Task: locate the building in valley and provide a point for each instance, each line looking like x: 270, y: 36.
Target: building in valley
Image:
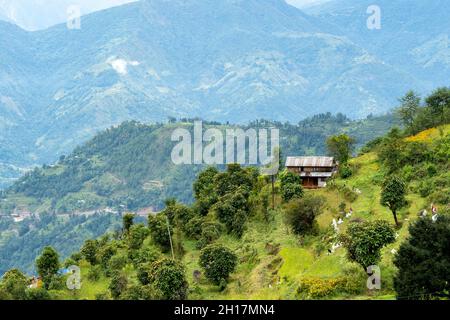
x: 314, y: 171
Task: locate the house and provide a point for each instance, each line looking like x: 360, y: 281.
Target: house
x: 314, y: 171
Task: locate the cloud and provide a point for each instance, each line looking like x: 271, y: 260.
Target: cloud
x: 121, y: 65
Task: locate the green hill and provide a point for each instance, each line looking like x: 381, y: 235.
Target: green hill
x: 273, y: 262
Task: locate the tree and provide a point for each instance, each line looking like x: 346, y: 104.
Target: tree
x: 364, y: 241
x: 169, y: 279
x: 300, y: 214
x: 118, y: 284
x: 232, y: 210
x: 47, y: 265
x: 439, y: 104
x: 218, y: 262
x: 89, y: 251
x: 393, y: 195
x: 341, y: 147
x: 14, y: 283
x: 291, y: 185
x: 127, y: 220
x: 410, y: 106
x: 204, y: 190
x: 158, y: 230
x: 423, y: 261
x: 136, y: 236
x: 390, y: 151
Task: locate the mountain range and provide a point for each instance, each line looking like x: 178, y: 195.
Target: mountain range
x: 232, y: 60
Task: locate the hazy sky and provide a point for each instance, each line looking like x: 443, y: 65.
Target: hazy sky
x: 41, y: 14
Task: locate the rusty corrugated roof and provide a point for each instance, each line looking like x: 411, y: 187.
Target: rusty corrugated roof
x: 310, y: 162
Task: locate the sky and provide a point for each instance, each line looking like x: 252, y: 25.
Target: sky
x: 40, y: 14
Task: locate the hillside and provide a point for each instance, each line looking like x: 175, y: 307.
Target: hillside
x: 273, y: 262
x: 234, y: 61
x: 129, y: 166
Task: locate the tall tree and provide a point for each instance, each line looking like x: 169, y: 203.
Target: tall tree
x: 341, y: 147
x: 127, y: 221
x: 47, y: 265
x: 393, y: 195
x: 423, y: 261
x: 439, y: 104
x: 364, y: 241
x: 408, y: 110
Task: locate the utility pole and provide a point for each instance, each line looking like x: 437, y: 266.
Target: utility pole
x: 273, y: 192
x: 170, y: 237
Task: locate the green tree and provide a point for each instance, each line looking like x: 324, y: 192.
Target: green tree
x: 159, y: 232
x: 169, y: 279
x: 341, y: 147
x: 118, y: 284
x: 423, y: 261
x: 136, y: 236
x: 439, y: 104
x: 364, y: 241
x: 204, y: 190
x: 390, y: 153
x: 14, y: 282
x: 300, y: 214
x: 232, y: 210
x: 127, y: 221
x: 291, y: 185
x: 47, y: 265
x: 393, y: 195
x: 408, y: 110
x: 89, y: 251
x: 218, y: 262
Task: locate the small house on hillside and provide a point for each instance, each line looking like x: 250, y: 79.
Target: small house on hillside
x: 314, y: 171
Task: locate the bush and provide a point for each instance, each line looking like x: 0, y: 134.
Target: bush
x: 118, y: 284
x: 291, y: 185
x: 168, y: 279
x: 345, y: 171
x: 158, y: 231
x: 317, y: 288
x: 217, y: 262
x: 94, y: 273
x: 300, y: 214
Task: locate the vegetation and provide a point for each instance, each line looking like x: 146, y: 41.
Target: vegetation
x: 218, y: 262
x: 423, y: 261
x: 364, y: 241
x: 247, y: 250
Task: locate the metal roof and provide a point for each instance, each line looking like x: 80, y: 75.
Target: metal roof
x: 316, y: 174
x: 310, y: 162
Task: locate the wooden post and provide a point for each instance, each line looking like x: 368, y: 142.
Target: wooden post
x: 170, y: 237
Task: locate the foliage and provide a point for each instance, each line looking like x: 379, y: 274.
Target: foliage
x: 218, y: 262
x: 14, y: 284
x: 393, y: 195
x: 423, y: 261
x: 300, y: 214
x: 168, y: 278
x: 118, y: 284
x: 159, y: 230
x: 341, y: 147
x: 364, y: 241
x: 127, y: 222
x: 89, y: 251
x: 291, y: 185
x: 47, y: 265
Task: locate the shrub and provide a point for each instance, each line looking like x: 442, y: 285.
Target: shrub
x: 291, y: 185
x: 300, y: 214
x: 218, y: 262
x: 345, y: 171
x: 94, y: 273
x: 317, y: 288
x: 168, y: 279
x: 118, y: 284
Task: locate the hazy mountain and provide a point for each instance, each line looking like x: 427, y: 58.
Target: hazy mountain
x: 232, y: 60
x: 414, y: 35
